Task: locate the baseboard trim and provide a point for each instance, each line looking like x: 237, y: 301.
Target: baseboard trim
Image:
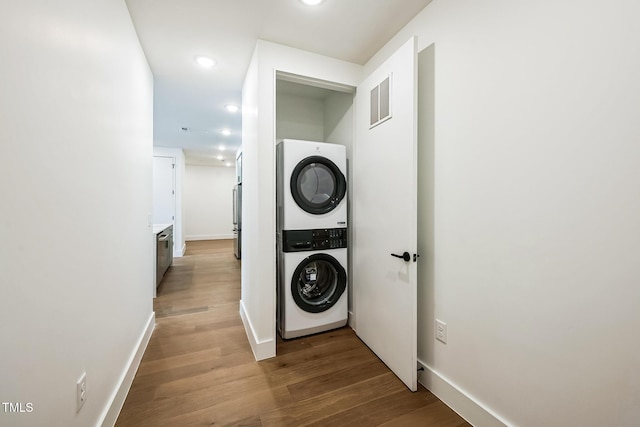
x: 180, y: 252
x: 209, y: 237
x: 352, y: 320
x: 261, y: 349
x: 467, y: 406
x: 111, y: 412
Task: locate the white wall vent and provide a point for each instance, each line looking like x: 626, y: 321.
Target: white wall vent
x: 380, y: 103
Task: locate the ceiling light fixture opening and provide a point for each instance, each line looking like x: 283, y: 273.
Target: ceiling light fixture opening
x: 312, y: 2
x: 228, y: 164
x: 225, y: 132
x: 232, y: 108
x: 221, y: 147
x: 205, y: 61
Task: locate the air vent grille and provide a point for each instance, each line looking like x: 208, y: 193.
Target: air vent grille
x: 380, y: 102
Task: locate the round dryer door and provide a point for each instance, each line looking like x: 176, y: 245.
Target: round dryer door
x: 317, y: 185
x: 318, y: 283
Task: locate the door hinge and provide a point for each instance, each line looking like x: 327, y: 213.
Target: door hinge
x: 173, y: 165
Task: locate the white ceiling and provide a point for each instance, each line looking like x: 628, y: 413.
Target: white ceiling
x: 174, y: 32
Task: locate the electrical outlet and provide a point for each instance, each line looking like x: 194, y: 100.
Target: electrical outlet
x: 81, y: 391
x: 441, y: 331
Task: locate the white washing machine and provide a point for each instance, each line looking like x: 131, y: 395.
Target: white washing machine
x: 311, y: 187
x: 312, y: 281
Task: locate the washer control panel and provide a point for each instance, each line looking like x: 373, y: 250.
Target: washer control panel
x: 314, y: 240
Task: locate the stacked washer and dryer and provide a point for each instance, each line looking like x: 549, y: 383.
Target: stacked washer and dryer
x: 311, y: 237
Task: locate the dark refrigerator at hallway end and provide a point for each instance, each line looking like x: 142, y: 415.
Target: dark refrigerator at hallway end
x: 237, y: 220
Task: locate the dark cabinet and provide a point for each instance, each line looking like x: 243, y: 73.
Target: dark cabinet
x: 164, y: 252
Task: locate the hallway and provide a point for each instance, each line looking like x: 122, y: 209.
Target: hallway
x: 199, y: 369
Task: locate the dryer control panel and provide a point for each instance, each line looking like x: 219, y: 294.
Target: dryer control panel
x: 314, y: 240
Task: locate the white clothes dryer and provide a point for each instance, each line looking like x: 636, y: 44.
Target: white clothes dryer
x: 311, y: 185
x: 312, y: 281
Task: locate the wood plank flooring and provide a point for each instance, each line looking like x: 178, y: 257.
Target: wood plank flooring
x: 199, y: 370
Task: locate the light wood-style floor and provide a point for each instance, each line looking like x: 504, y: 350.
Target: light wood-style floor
x: 199, y: 370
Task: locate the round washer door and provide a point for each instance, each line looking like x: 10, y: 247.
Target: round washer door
x: 317, y: 185
x: 318, y: 283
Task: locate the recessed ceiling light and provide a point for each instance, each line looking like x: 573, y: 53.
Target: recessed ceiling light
x: 220, y: 158
x: 228, y: 164
x: 312, y: 2
x: 232, y: 108
x: 225, y: 132
x: 205, y: 61
x: 221, y: 147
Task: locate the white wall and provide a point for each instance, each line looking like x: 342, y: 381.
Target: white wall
x: 251, y: 311
x: 257, y: 306
x: 299, y: 117
x: 177, y: 154
x: 208, y: 202
x: 76, y: 257
x: 338, y: 119
x: 536, y: 207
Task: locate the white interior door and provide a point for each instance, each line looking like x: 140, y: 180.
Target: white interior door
x: 385, y: 213
x: 163, y: 190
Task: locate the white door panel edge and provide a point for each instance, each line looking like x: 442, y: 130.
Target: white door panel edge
x: 385, y: 218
